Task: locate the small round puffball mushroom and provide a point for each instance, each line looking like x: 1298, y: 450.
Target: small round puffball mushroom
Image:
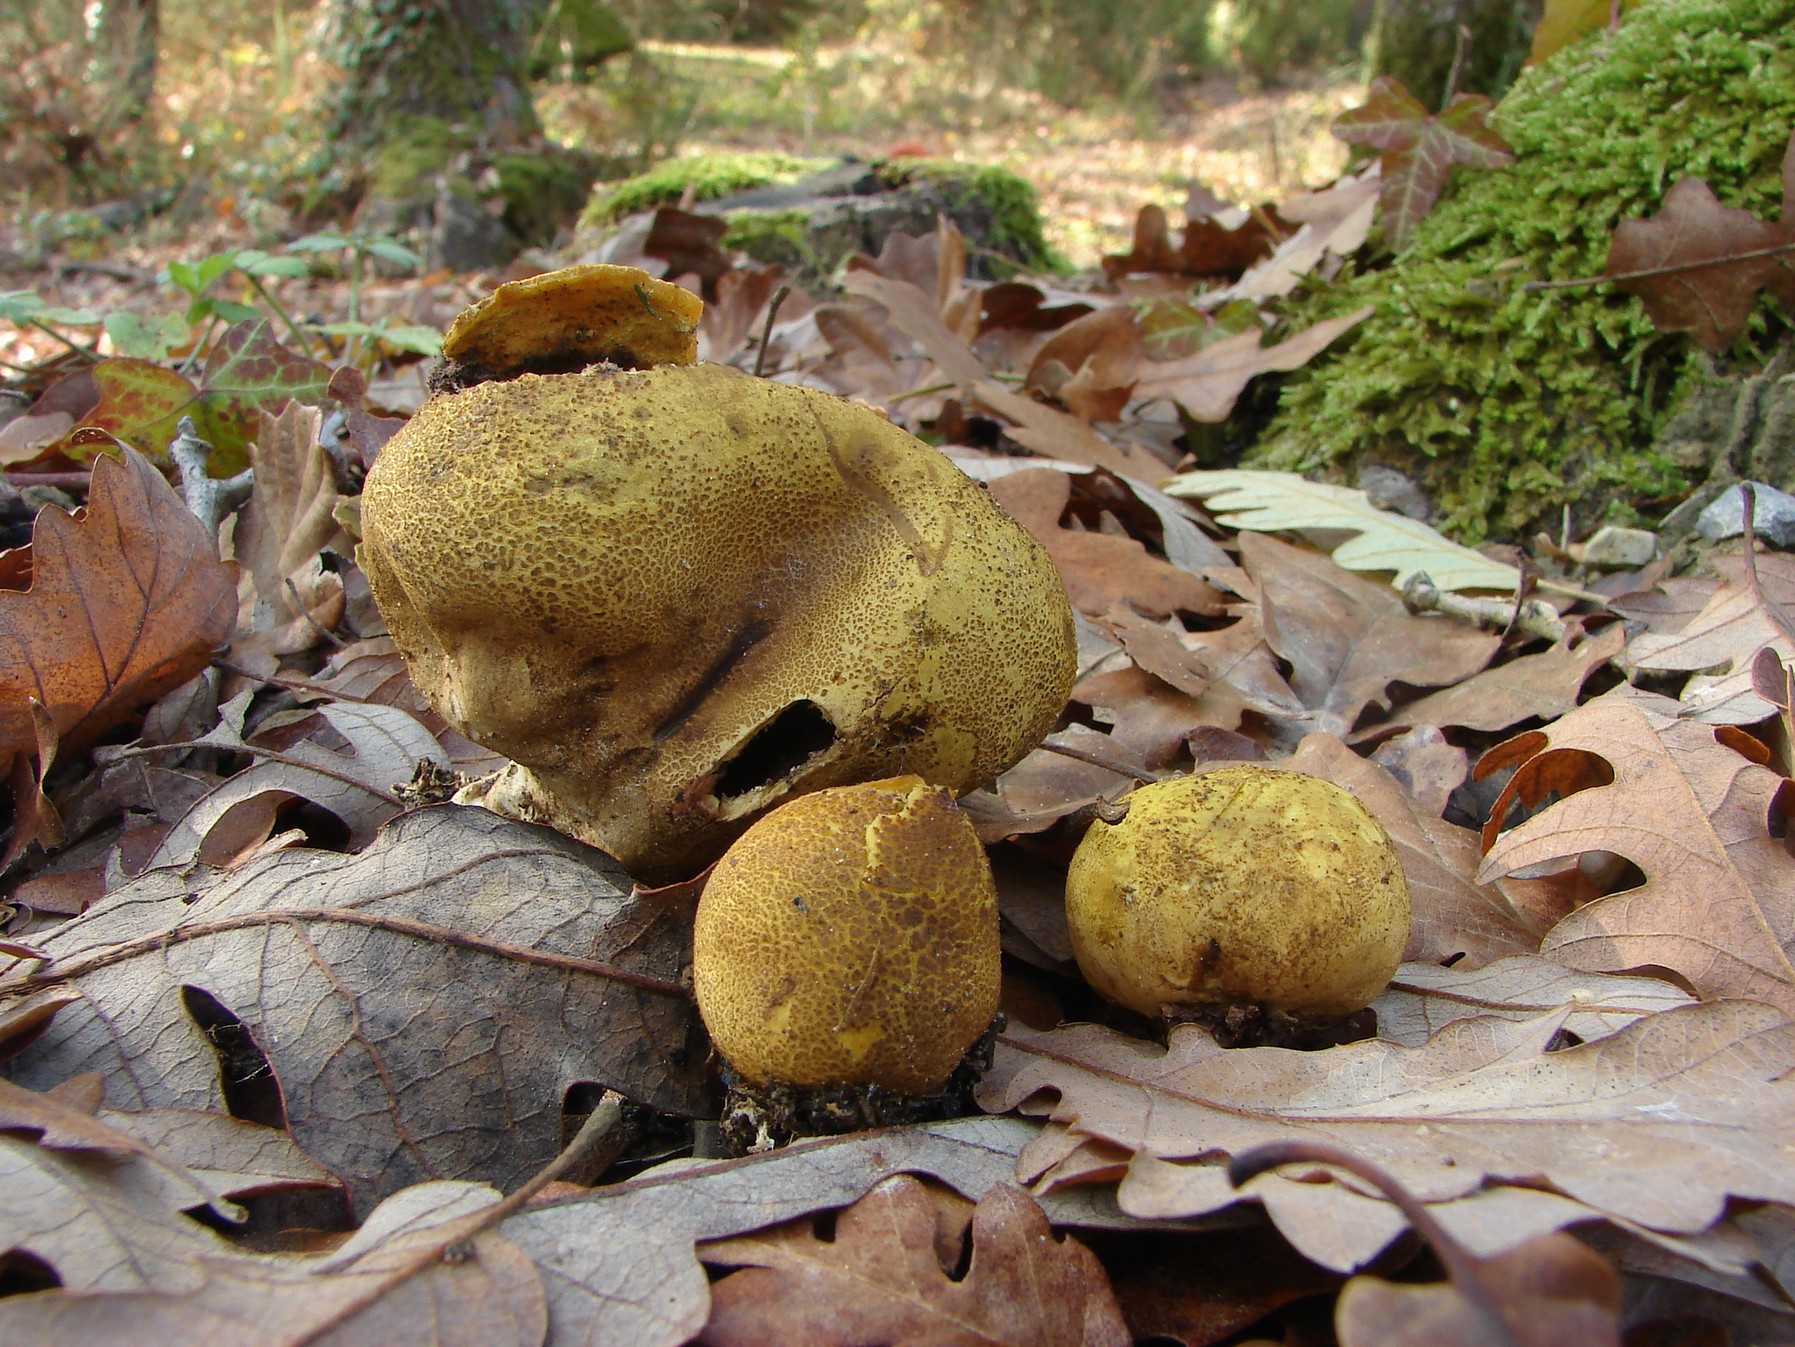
x: 1242, y: 886
x: 850, y: 937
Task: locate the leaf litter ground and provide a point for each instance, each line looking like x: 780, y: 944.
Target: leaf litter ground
x: 309, y: 999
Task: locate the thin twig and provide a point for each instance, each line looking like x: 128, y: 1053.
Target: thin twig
x: 1103, y: 760
x: 1668, y: 269
x: 1461, y: 47
x: 1464, y: 1270
x: 766, y: 332
x: 21, y: 480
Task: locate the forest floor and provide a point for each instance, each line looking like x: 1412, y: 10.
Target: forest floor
x: 1093, y: 169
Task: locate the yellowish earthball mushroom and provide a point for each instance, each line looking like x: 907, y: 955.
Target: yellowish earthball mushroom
x: 1241, y: 886
x: 850, y: 937
x: 675, y: 595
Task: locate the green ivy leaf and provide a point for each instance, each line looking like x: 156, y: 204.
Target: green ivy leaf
x: 142, y: 338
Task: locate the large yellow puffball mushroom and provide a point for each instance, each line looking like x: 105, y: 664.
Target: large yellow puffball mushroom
x: 850, y: 937
x: 1241, y: 886
x: 676, y: 595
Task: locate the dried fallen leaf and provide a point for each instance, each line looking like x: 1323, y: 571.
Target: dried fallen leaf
x: 1698, y: 265
x: 1275, y: 502
x: 97, y: 1205
x: 1100, y: 570
x: 1333, y: 224
x: 1347, y: 638
x: 1680, y: 801
x: 360, y: 786
x: 1543, y: 686
x: 423, y: 1007
x: 390, y: 1283
x: 1549, y: 1291
x: 1657, y: 1124
x: 1418, y: 149
x: 1424, y: 998
x: 880, y: 1279
x: 1208, y: 383
x: 619, y: 1263
x: 127, y: 602
x: 1719, y: 643
x: 289, y: 517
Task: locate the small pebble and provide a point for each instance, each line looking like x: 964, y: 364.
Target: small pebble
x: 1614, y: 548
x: 1772, y: 517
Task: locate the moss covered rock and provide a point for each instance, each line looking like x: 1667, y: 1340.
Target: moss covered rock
x: 808, y: 215
x: 1509, y: 403
x: 708, y: 176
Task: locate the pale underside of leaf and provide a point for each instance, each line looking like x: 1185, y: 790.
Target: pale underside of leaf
x: 1270, y: 502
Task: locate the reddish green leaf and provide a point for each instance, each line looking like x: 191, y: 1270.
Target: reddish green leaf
x: 1418, y: 149
x: 140, y: 401
x: 246, y: 371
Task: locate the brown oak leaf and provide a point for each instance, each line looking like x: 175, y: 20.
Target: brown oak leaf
x: 881, y: 1279
x: 127, y: 602
x: 1698, y: 265
x: 1685, y: 803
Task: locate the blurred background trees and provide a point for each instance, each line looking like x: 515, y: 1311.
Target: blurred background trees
x: 283, y: 107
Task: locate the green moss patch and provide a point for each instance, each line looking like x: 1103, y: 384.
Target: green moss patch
x: 1510, y: 403
x: 709, y: 176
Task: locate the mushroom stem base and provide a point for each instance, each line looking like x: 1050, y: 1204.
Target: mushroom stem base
x: 760, y: 1118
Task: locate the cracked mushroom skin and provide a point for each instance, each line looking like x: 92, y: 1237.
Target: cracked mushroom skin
x: 674, y: 596
x: 850, y: 937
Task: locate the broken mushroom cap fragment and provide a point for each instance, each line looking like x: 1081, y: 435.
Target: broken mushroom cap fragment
x: 850, y: 937
x: 1243, y: 886
x: 674, y: 596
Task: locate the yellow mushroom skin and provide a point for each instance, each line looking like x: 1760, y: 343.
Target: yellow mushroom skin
x: 850, y: 937
x: 1244, y: 885
x: 674, y: 596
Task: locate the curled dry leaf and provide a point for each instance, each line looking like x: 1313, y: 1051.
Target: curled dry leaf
x: 127, y: 602
x: 1424, y: 998
x: 393, y: 1281
x: 1658, y: 1124
x: 880, y: 1279
x: 1719, y: 643
x: 1682, y: 801
x: 422, y: 1008
x: 360, y: 786
x: 289, y: 519
x: 619, y: 1263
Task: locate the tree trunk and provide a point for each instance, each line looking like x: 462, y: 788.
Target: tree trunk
x: 457, y: 63
x: 129, y: 31
x: 1417, y: 41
